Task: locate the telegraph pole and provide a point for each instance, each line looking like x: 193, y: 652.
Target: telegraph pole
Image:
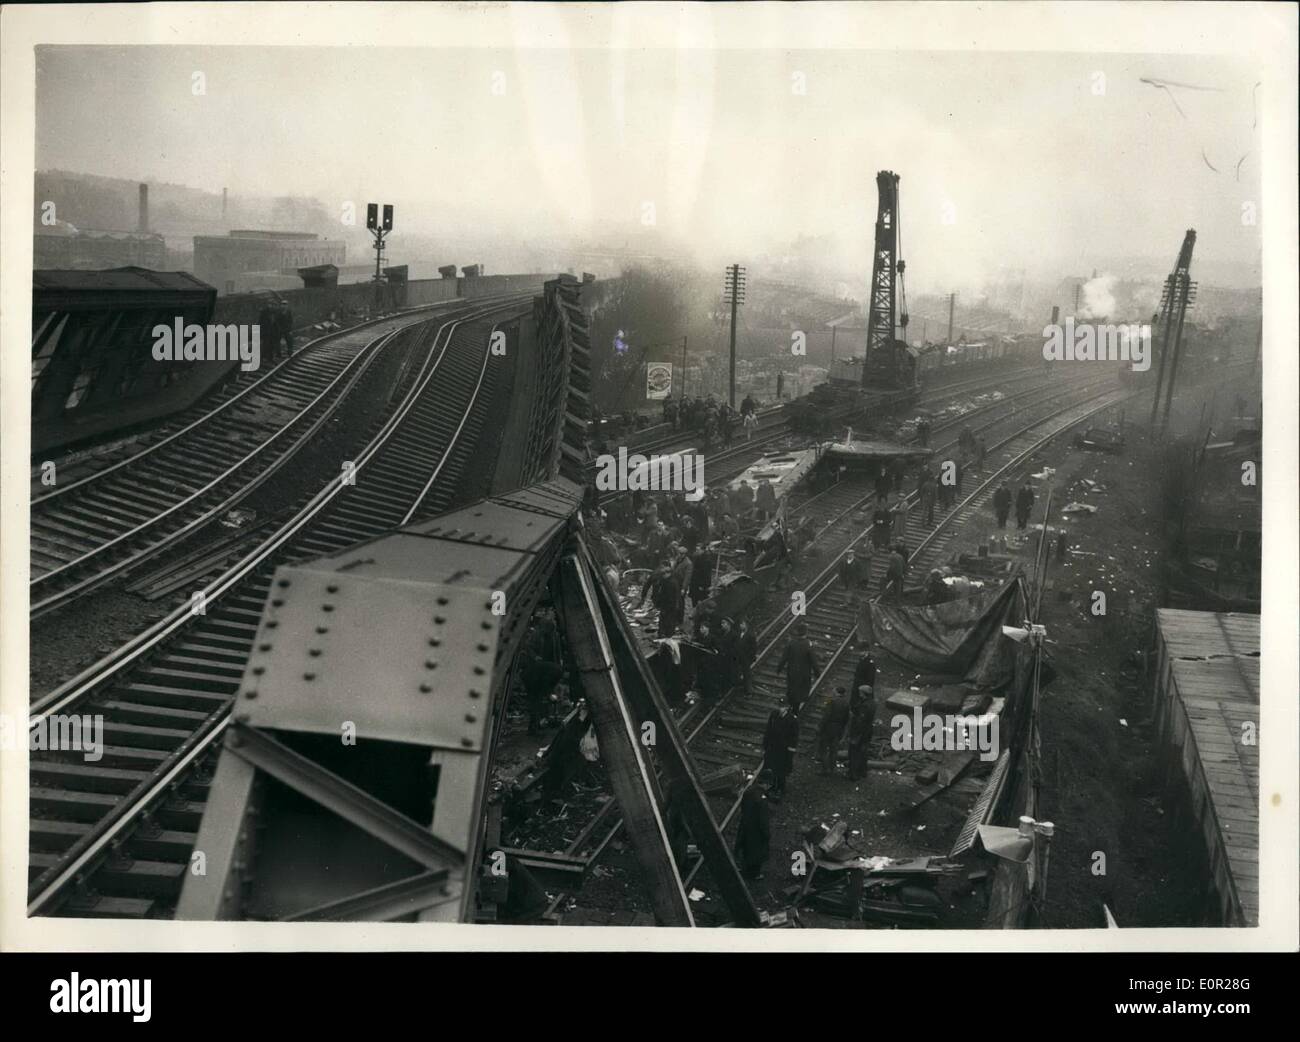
x: 683, y: 390
x: 735, y: 295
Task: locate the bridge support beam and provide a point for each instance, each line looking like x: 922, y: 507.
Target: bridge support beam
x: 624, y: 694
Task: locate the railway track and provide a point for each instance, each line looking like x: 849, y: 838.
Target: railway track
x: 110, y: 522
x: 115, y: 838
x: 730, y: 731
x: 725, y: 464
x: 661, y: 437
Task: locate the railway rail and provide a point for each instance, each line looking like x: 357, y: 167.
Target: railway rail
x: 108, y: 523
x: 114, y: 838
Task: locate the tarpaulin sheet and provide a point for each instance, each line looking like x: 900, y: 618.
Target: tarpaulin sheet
x: 960, y: 638
x: 874, y: 450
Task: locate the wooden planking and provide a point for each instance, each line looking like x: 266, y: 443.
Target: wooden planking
x: 1206, y: 691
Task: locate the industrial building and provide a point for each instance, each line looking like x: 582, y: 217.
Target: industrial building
x: 225, y: 261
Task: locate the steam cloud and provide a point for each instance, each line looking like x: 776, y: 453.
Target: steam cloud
x: 1098, y: 297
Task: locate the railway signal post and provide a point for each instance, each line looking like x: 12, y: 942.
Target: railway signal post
x: 379, y: 229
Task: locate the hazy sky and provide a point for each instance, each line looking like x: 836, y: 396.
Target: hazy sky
x: 1033, y: 169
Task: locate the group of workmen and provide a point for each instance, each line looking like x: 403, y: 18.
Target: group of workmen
x: 715, y: 420
x: 850, y: 708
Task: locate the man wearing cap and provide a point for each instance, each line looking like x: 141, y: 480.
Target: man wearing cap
x: 835, y: 718
x: 865, y: 671
x: 862, y: 721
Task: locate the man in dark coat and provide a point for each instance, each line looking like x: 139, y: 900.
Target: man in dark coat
x: 862, y: 721
x: 753, y: 837
x: 690, y: 535
x: 835, y: 718
x: 682, y: 566
x: 800, y: 666
x: 883, y: 484
x: 780, y: 741
x: 851, y: 572
x: 1024, y: 504
x: 894, y: 572
x: 1002, y: 504
x: 864, y: 673
x: 701, y: 574
x: 746, y: 652
x: 882, y: 526
x: 728, y: 666
x: 663, y: 594
x: 926, y: 494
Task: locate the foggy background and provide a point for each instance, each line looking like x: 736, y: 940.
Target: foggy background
x: 530, y: 152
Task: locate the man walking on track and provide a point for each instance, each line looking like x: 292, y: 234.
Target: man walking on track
x: 800, y: 667
x: 1002, y: 504
x: 780, y: 742
x: 1024, y: 504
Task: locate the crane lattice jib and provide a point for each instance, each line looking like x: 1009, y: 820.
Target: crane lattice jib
x: 882, y: 308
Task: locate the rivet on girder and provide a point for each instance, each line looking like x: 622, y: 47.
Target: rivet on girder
x: 271, y: 624
x: 434, y: 642
x: 283, y: 583
x: 258, y: 670
x: 313, y: 652
x: 442, y: 600
x: 439, y: 619
x: 327, y: 607
x: 332, y: 588
x: 425, y: 689
x: 278, y: 602
x: 250, y: 693
x: 479, y: 670
x: 482, y: 647
x: 470, y: 718
x: 322, y: 629
x: 430, y: 663
x: 264, y: 647
x: 309, y: 676
x: 468, y: 743
x: 475, y: 694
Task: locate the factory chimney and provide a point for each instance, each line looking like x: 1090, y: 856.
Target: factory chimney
x: 223, y: 207
x: 144, y: 208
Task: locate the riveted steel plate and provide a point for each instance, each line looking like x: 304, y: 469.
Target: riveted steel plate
x: 400, y: 660
x: 415, y: 558
x: 493, y: 524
